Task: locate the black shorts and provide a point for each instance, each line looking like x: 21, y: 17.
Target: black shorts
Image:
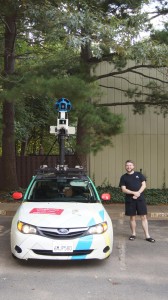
x: 135, y: 207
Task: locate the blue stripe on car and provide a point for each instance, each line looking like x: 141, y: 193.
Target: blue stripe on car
x: 101, y: 213
x: 84, y: 243
x: 91, y: 222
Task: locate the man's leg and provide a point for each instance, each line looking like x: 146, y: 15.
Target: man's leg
x: 133, y: 225
x: 145, y: 226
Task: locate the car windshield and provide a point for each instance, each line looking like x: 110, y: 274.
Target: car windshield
x: 61, y: 190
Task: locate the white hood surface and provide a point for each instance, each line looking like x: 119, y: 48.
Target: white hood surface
x: 58, y: 214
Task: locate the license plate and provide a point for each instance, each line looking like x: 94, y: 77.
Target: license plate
x: 65, y: 246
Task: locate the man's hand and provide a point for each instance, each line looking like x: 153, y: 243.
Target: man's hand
x: 136, y: 195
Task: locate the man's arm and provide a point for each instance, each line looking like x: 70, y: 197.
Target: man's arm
x: 135, y: 194
x: 129, y: 192
x: 143, y: 187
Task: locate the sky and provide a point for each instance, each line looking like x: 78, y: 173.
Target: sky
x: 158, y: 22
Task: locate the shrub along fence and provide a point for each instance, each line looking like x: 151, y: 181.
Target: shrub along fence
x: 152, y: 196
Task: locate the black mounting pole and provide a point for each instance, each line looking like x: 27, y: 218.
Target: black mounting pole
x: 63, y: 106
x: 61, y: 138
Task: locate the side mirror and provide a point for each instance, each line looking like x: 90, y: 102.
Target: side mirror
x: 17, y: 195
x: 105, y: 197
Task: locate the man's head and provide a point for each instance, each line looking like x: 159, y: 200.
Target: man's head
x: 129, y: 166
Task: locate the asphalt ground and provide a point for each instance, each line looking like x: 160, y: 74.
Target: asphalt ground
x: 135, y: 270
x: 116, y: 211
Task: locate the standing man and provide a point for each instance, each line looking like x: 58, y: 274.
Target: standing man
x: 133, y: 185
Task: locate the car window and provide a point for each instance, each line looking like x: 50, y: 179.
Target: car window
x: 66, y: 190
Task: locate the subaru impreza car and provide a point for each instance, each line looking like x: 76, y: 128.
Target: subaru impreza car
x: 61, y: 217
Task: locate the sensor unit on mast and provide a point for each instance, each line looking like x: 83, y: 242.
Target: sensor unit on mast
x: 62, y: 130
x: 63, y: 106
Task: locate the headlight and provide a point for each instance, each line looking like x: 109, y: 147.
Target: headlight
x: 98, y: 229
x: 26, y: 228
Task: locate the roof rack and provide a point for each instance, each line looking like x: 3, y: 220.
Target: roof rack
x: 61, y: 170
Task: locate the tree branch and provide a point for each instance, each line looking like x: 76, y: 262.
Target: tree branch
x: 133, y: 103
x: 121, y: 90
x: 132, y: 69
x: 149, y: 77
x: 120, y: 77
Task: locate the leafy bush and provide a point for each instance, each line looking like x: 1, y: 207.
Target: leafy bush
x: 156, y: 196
x: 152, y: 196
x: 116, y: 195
x: 7, y: 196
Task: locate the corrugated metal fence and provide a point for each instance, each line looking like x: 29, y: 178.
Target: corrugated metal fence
x: 27, y: 165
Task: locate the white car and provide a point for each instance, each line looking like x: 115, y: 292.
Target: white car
x: 61, y: 217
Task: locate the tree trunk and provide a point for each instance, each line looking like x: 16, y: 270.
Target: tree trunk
x: 8, y: 141
x: 23, y: 148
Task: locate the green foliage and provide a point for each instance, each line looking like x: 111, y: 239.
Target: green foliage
x: 161, y: 36
x: 157, y: 97
x: 116, y: 195
x: 107, y: 26
x: 152, y: 196
x: 32, y: 121
x: 35, y: 111
x: 100, y: 125
x: 156, y: 196
x: 55, y: 45
x: 7, y: 196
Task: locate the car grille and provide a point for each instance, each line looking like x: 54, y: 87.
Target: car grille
x: 51, y: 253
x: 62, y: 233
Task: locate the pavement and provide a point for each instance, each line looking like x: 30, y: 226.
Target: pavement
x: 116, y: 211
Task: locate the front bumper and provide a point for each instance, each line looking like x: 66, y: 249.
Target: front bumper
x: 98, y: 246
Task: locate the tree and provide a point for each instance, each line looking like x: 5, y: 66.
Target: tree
x: 149, y: 53
x: 38, y: 37
x: 8, y: 144
x: 11, y: 15
x: 118, y: 46
x: 92, y: 32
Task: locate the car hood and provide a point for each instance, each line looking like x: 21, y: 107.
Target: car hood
x: 58, y: 214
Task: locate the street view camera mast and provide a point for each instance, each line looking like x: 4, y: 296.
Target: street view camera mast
x: 63, y: 106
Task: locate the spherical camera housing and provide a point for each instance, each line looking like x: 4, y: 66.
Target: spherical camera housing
x: 63, y: 105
